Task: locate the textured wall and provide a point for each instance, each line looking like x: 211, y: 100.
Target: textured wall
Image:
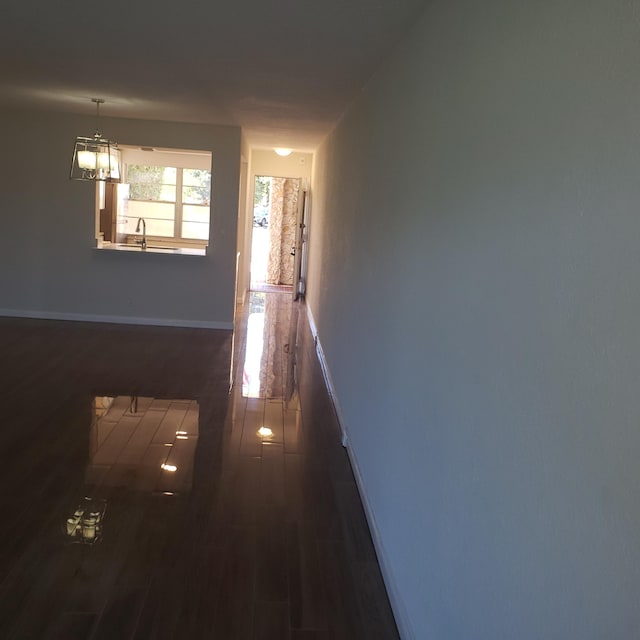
x: 474, y: 276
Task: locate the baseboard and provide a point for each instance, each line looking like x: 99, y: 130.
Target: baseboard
x: 85, y: 317
x: 397, y: 605
x: 327, y: 377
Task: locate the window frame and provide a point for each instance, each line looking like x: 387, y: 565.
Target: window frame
x: 166, y: 158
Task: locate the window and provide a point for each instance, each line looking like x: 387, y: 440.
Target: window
x: 169, y: 188
x: 174, y: 201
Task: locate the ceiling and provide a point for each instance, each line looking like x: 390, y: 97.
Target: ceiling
x: 285, y: 71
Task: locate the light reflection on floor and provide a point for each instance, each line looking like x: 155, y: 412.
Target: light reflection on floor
x: 269, y: 358
x: 145, y: 443
x: 255, y: 346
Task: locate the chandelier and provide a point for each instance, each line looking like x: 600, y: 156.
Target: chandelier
x: 95, y: 158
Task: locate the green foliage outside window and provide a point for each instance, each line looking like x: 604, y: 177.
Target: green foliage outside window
x: 262, y: 191
x: 196, y: 186
x: 151, y: 183
x: 154, y: 183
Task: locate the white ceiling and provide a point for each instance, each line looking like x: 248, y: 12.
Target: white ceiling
x: 285, y: 71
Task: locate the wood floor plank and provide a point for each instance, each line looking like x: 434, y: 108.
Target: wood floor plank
x: 309, y: 634
x: 242, y: 493
x: 272, y: 475
x: 354, y: 522
x: 251, y: 444
x: 116, y: 441
x: 274, y: 420
x: 307, y: 597
x: 292, y: 430
x: 141, y: 437
x: 73, y: 626
x: 120, y: 617
x: 171, y: 422
x: 201, y: 587
x: 271, y: 556
x: 375, y: 614
x: 233, y: 617
x: 271, y: 621
x: 344, y: 622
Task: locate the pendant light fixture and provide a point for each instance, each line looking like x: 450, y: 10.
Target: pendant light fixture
x: 95, y: 158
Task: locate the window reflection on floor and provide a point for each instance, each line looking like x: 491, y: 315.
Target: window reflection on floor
x: 268, y: 370
x: 145, y: 444
x: 255, y: 346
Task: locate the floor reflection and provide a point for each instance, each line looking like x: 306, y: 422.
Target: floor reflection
x: 270, y: 354
x: 254, y: 347
x: 137, y: 443
x: 146, y: 443
x: 86, y: 523
x: 145, y: 501
x: 110, y: 470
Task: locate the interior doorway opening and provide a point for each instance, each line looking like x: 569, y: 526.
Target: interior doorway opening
x: 273, y: 240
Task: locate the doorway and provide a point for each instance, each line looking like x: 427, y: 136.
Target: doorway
x: 273, y: 240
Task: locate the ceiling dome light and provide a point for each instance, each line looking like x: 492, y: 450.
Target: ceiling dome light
x: 282, y: 151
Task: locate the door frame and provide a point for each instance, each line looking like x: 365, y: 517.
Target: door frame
x: 301, y: 243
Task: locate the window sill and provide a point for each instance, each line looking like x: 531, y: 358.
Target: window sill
x: 134, y: 248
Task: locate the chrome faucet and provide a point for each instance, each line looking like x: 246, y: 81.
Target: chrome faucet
x: 143, y: 242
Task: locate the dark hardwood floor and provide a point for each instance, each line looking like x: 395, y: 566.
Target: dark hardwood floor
x: 146, y: 498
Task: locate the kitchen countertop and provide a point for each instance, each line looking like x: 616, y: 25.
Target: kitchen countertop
x: 134, y: 248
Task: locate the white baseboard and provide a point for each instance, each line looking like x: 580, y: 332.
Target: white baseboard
x: 397, y: 604
x: 399, y: 610
x: 327, y: 376
x: 86, y: 317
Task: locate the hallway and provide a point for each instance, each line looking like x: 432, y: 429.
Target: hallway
x: 143, y: 500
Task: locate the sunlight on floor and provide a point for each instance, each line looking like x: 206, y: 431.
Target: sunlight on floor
x: 259, y: 254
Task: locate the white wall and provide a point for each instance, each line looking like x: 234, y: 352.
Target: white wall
x: 47, y: 264
x: 475, y: 280
x: 243, y: 238
x: 265, y: 162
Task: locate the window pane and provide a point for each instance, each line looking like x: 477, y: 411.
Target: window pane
x: 151, y: 174
x: 194, y: 213
x: 162, y: 228
x: 155, y: 227
x: 196, y: 178
x: 195, y: 230
x: 195, y: 195
x: 153, y: 196
x: 159, y: 217
x: 196, y: 187
x: 153, y: 192
x: 148, y: 210
x: 152, y: 182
